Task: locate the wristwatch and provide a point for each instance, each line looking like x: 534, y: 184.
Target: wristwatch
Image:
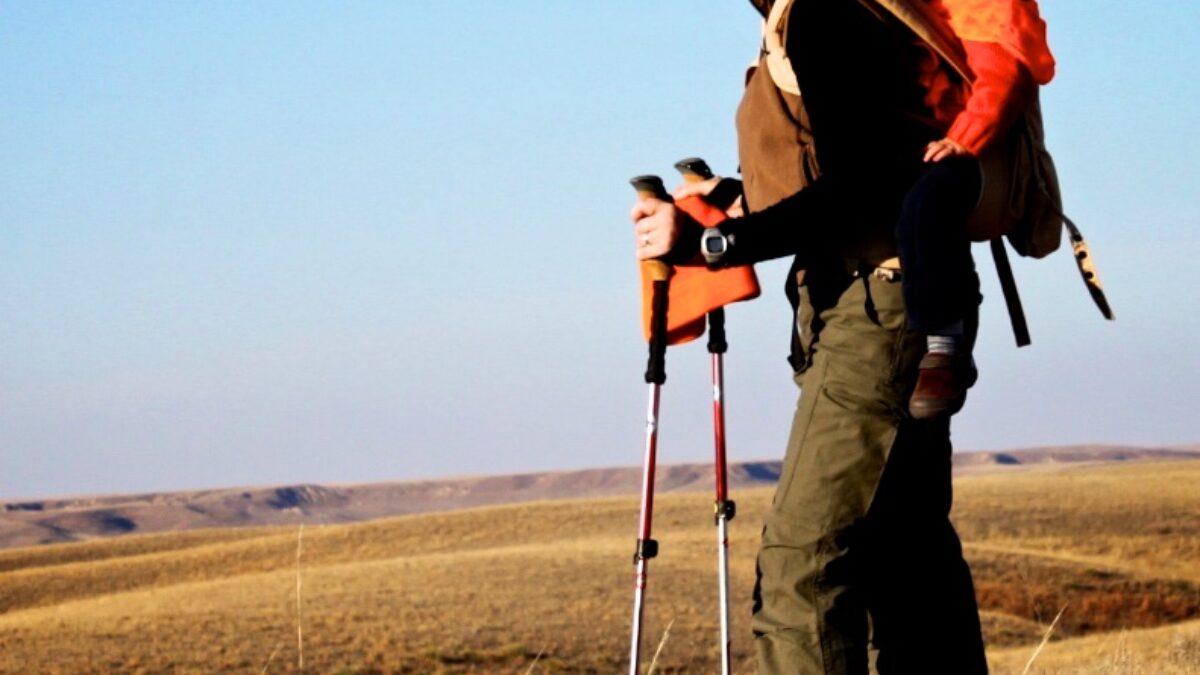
x: 714, y: 244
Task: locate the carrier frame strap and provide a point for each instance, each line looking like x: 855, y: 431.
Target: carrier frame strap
x: 1012, y: 299
x: 1083, y: 261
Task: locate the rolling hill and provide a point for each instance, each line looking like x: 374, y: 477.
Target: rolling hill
x: 31, y: 522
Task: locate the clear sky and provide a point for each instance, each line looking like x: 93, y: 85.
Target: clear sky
x: 267, y: 242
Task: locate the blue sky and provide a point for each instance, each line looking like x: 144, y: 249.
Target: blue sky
x: 256, y: 243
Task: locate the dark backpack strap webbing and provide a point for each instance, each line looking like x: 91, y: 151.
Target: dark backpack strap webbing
x: 1012, y: 299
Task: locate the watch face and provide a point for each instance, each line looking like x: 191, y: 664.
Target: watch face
x: 714, y: 244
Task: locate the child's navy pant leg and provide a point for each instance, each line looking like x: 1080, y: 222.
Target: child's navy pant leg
x: 940, y: 289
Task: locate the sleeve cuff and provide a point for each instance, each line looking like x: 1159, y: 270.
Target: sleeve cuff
x: 687, y: 248
x: 725, y: 193
x: 971, y: 132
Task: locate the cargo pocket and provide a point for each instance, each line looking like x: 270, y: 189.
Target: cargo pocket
x: 886, y: 306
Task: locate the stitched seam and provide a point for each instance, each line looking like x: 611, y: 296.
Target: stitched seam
x: 800, y: 443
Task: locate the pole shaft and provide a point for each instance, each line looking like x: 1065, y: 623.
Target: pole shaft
x: 718, y: 374
x: 645, y: 521
x: 639, y: 597
x: 723, y: 507
x: 723, y: 573
x: 722, y: 495
x: 649, y: 463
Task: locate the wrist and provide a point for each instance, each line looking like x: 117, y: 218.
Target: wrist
x: 715, y: 245
x: 725, y: 193
x: 687, y: 244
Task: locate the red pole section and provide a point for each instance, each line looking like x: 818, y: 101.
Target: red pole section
x: 718, y: 375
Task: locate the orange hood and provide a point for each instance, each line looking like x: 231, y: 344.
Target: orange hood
x: 1013, y: 24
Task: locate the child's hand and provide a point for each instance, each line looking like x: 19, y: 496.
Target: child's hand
x: 939, y: 150
x: 705, y: 188
x: 702, y: 188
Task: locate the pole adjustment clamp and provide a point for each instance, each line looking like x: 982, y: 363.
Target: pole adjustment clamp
x: 726, y: 509
x: 646, y: 549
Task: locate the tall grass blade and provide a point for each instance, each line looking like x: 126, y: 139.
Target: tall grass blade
x: 535, y: 661
x: 270, y: 658
x: 1045, y: 639
x: 661, y: 643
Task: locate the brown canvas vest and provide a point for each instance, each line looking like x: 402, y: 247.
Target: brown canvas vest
x: 775, y: 143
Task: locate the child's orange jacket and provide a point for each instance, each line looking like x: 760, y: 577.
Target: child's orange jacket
x: 1006, y: 49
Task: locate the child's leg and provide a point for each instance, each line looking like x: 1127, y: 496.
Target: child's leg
x: 935, y: 253
x: 940, y: 288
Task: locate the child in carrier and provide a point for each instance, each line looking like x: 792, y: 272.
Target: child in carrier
x: 1005, y: 46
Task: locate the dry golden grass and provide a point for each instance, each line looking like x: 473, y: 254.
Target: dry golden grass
x: 102, y: 549
x: 488, y: 590
x: 1170, y: 650
x: 1141, y: 517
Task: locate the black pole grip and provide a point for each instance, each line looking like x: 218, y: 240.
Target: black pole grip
x: 694, y: 167
x: 716, y: 332
x: 651, y: 186
x: 656, y: 367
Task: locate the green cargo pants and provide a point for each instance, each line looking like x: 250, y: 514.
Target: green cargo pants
x: 858, y: 540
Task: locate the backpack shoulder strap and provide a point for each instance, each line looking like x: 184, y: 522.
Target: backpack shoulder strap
x: 774, y: 53
x: 932, y: 31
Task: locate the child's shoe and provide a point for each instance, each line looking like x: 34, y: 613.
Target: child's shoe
x: 942, y: 383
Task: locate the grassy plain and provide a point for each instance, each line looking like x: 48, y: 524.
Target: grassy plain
x: 548, y: 585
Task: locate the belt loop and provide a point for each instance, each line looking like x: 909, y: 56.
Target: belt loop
x: 886, y: 274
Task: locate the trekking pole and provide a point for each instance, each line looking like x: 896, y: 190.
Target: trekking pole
x: 656, y: 375
x: 695, y: 170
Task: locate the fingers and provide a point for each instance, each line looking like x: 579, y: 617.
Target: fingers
x: 947, y: 147
x: 642, y: 209
x: 702, y: 188
x: 653, y: 228
x: 737, y: 209
x: 652, y: 250
x: 651, y: 241
x: 935, y: 151
x: 955, y: 148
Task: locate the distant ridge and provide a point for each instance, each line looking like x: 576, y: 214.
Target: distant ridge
x: 32, y: 522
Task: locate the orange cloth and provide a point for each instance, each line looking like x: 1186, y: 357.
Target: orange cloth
x: 1002, y: 89
x: 1015, y: 25
x: 695, y: 290
x: 1006, y: 50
